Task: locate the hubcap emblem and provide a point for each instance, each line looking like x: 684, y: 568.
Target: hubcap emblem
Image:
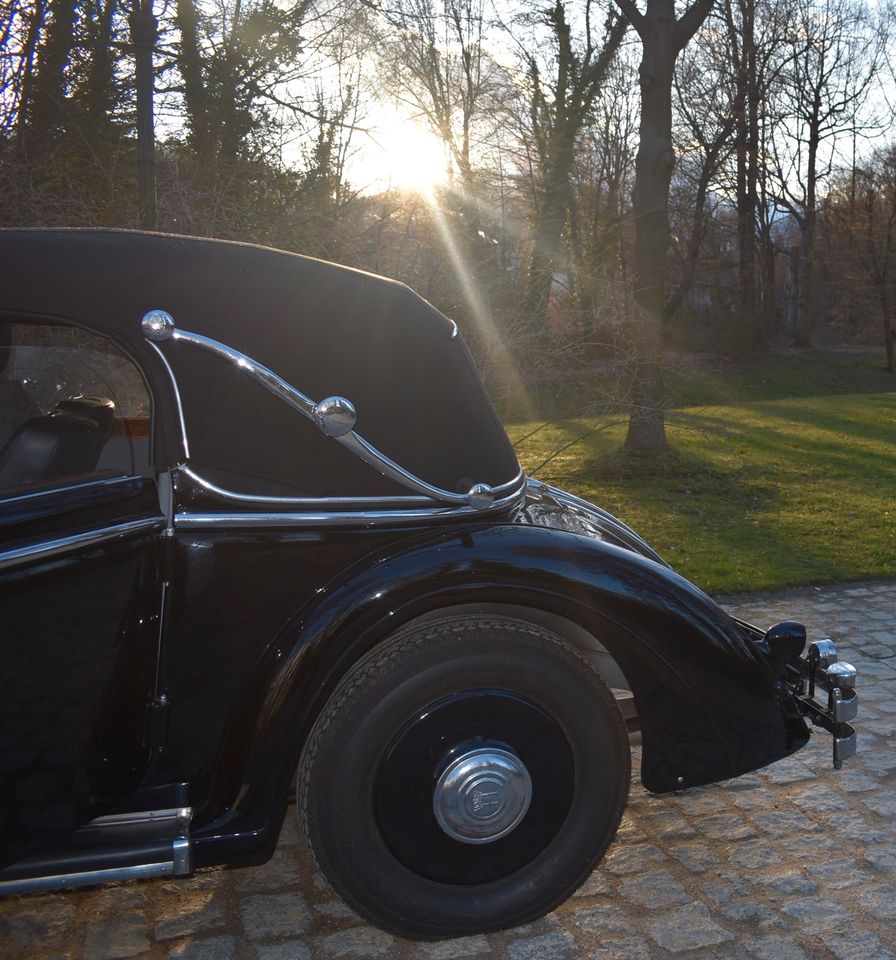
x: 482, y: 795
x: 482, y: 801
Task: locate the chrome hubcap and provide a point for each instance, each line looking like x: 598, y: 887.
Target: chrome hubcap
x: 482, y: 795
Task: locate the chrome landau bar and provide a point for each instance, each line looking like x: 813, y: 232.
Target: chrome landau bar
x: 334, y: 416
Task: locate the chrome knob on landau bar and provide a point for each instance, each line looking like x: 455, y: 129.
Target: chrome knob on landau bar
x: 158, y: 325
x: 334, y: 416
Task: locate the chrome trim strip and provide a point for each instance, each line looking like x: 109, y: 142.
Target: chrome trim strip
x: 179, y: 816
x: 361, y: 518
x: 77, y: 541
x: 99, y: 483
x: 515, y: 485
x: 479, y: 496
x: 180, y: 864
x: 64, y: 881
x: 177, y: 400
x: 165, y: 489
x: 297, y: 501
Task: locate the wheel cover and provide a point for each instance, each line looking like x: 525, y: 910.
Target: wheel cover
x: 482, y: 795
x: 474, y: 742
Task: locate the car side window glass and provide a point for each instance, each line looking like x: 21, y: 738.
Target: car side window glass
x: 73, y: 407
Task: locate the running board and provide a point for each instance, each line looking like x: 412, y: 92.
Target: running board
x: 154, y: 843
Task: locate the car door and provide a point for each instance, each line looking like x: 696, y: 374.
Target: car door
x: 79, y: 524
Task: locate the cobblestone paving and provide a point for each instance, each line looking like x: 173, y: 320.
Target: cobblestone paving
x: 797, y: 861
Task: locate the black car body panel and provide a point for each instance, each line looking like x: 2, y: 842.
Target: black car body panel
x: 177, y: 615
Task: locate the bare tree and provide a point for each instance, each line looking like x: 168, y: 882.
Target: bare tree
x: 706, y: 111
x: 859, y: 226
x: 663, y: 37
x: 235, y: 67
x: 44, y: 110
x: 832, y: 53
x: 197, y: 108
x: 562, y: 89
x: 434, y: 60
x: 599, y: 209
x: 21, y: 27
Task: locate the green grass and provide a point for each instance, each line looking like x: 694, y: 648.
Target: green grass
x: 792, y: 373
x: 755, y: 495
x: 691, y: 381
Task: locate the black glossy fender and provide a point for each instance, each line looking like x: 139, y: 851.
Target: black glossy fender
x: 707, y: 703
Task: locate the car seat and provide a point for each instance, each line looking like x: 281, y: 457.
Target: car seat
x: 63, y: 444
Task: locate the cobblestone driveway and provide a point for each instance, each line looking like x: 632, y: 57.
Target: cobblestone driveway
x: 796, y: 861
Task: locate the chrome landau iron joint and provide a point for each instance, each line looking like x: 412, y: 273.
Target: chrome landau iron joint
x: 334, y: 416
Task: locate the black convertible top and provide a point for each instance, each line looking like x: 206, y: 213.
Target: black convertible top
x: 325, y: 329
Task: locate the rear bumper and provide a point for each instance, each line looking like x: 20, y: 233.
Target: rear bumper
x: 819, y: 686
x: 824, y: 686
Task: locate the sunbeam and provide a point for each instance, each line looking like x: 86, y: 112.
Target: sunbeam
x: 501, y: 360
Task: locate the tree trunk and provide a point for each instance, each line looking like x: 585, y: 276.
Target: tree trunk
x: 654, y: 166
x: 741, y: 137
x: 29, y: 54
x: 769, y: 288
x: 143, y: 36
x: 805, y: 258
x: 647, y: 422
x: 804, y: 317
x: 230, y: 134
x: 791, y: 307
x: 47, y: 113
x: 576, y: 86
x: 189, y: 62
x: 98, y: 100
x: 886, y: 319
x: 546, y: 248
x: 751, y: 200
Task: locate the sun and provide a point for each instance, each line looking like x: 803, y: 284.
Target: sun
x: 399, y: 153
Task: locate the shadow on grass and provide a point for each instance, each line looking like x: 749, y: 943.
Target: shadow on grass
x: 759, y: 497
x: 812, y: 440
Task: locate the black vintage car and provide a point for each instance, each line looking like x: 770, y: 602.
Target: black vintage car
x: 261, y: 527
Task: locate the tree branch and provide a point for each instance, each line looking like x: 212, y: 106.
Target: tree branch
x: 633, y: 15
x: 690, y: 21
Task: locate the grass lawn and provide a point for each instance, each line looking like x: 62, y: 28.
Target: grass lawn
x: 755, y: 495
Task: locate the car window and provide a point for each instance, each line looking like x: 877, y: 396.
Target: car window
x: 72, y: 407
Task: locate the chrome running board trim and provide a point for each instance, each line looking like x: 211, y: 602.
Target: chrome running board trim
x: 65, y: 881
x: 170, y: 855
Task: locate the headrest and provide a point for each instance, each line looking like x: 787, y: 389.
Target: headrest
x: 100, y: 410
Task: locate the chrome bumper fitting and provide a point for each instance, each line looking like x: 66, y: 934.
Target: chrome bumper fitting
x: 822, y: 672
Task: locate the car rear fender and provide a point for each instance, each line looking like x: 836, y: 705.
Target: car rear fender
x: 707, y: 704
